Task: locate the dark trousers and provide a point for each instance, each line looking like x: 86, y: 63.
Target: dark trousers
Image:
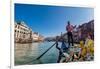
x: 60, y: 52
x: 70, y: 38
x: 59, y: 57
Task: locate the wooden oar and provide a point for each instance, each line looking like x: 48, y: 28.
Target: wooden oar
x: 45, y: 51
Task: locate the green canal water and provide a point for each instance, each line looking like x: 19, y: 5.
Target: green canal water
x: 26, y: 54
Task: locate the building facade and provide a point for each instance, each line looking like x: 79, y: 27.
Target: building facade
x: 24, y: 34
x: 83, y: 30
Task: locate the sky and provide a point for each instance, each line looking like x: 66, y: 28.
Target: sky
x: 51, y: 20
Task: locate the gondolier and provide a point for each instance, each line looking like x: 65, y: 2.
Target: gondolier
x: 69, y: 29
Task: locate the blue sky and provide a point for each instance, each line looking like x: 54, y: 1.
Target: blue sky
x: 51, y: 20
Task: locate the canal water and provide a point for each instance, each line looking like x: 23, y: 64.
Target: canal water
x: 27, y: 53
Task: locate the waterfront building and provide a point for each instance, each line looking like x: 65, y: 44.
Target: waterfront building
x: 22, y: 33
x: 83, y: 30
x: 37, y: 37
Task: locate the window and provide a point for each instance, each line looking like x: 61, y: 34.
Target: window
x: 15, y: 26
x: 15, y: 30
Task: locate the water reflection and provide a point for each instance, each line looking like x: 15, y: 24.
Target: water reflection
x: 27, y: 53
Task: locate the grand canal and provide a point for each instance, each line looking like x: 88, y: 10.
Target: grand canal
x: 27, y: 53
